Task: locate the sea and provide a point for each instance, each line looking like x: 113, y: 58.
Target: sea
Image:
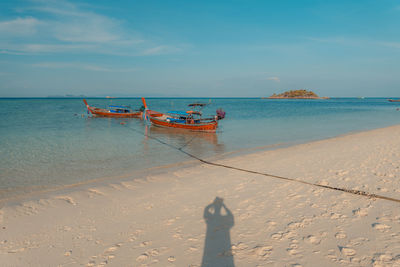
x: 53, y: 143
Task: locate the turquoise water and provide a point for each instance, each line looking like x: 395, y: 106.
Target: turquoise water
x: 52, y: 142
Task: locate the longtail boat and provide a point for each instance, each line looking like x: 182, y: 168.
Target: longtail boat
x: 189, y: 120
x: 394, y: 100
x: 113, y: 111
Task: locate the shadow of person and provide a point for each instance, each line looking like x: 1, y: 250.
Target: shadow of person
x: 217, y: 246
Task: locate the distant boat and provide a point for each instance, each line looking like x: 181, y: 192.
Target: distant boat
x: 189, y: 120
x: 113, y: 111
x: 394, y: 100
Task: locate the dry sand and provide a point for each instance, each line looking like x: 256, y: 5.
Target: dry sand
x: 170, y: 219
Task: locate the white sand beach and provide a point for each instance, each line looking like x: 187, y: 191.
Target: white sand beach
x: 171, y: 219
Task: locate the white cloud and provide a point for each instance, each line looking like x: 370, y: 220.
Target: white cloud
x: 275, y: 79
x: 390, y: 44
x: 162, y: 49
x: 19, y: 26
x: 58, y: 26
x: 335, y: 40
x: 354, y: 42
x: 37, y: 48
x: 82, y: 66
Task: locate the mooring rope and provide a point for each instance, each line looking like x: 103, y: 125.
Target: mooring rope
x: 345, y: 190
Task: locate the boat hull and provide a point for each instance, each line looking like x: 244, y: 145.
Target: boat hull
x: 204, y: 127
x: 100, y: 112
x: 104, y: 113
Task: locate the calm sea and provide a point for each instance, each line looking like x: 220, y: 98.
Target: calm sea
x: 47, y: 143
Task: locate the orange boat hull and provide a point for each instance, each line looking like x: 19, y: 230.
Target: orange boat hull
x: 99, y: 112
x: 205, y: 127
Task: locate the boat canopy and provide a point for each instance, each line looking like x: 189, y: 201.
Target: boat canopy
x: 124, y: 107
x: 184, y: 113
x: 178, y: 112
x: 197, y: 105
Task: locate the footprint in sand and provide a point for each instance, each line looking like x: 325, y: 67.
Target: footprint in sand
x: 178, y: 236
x: 360, y: 212
x: 347, y: 251
x: 111, y: 249
x: 262, y: 251
x: 358, y: 241
x: 293, y: 251
x: 153, y: 252
x: 91, y: 263
x: 340, y: 235
x: 277, y: 236
x: 68, y: 253
x: 271, y: 225
x: 142, y: 257
x: 145, y: 243
x: 335, y: 216
x: 381, y: 227
x: 192, y: 249
x: 313, y: 239
x: 238, y: 247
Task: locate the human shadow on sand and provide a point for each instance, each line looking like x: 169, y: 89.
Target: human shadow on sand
x: 217, y: 247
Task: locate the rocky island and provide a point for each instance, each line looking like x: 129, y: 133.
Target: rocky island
x: 297, y: 94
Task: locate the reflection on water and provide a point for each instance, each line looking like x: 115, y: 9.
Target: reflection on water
x: 217, y: 246
x: 199, y: 144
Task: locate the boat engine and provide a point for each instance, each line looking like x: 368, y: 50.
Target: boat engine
x: 220, y: 114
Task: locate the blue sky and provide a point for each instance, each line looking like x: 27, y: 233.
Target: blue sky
x: 199, y: 48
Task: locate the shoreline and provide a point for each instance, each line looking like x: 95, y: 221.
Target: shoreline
x: 160, y: 220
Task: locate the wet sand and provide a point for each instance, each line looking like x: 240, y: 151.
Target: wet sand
x: 207, y: 215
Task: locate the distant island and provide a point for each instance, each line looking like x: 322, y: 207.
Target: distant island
x: 296, y: 94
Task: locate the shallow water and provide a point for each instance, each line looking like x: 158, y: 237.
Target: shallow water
x: 52, y: 142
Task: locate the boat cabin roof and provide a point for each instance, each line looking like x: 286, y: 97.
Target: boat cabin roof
x: 184, y: 113
x: 124, y: 107
x: 197, y: 105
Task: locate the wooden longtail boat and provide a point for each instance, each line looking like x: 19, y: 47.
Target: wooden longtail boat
x: 394, y: 100
x: 189, y: 120
x: 113, y: 111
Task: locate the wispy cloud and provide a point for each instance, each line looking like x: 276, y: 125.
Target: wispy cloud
x: 336, y: 40
x: 275, y: 79
x: 162, y: 49
x: 83, y: 66
x: 58, y: 26
x: 390, y: 44
x: 19, y: 26
x: 354, y: 42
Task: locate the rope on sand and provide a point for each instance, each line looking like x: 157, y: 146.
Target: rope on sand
x: 350, y: 191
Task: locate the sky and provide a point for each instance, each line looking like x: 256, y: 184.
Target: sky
x: 237, y: 48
